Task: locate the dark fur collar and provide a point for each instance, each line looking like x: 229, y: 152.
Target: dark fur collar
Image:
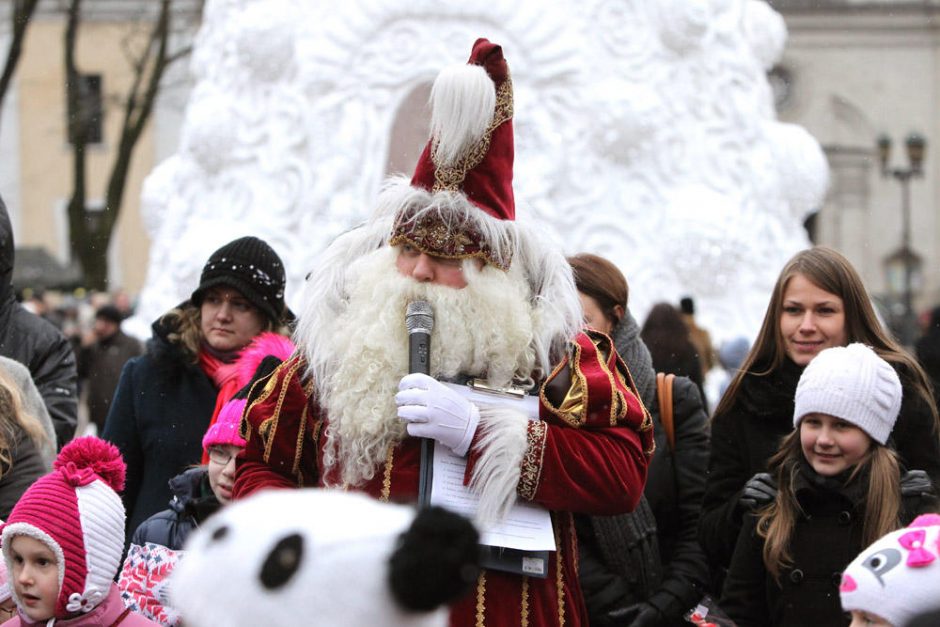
x: 169, y: 358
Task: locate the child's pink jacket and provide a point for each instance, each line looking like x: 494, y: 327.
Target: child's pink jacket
x: 109, y: 613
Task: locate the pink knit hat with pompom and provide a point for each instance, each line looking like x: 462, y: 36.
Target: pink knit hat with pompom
x: 76, y: 512
x: 225, y: 429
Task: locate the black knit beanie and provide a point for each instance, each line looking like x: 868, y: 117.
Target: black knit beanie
x: 252, y: 267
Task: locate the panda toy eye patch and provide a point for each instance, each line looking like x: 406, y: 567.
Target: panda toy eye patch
x: 282, y: 562
x: 219, y: 533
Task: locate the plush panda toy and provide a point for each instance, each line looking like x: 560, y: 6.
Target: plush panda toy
x: 324, y: 557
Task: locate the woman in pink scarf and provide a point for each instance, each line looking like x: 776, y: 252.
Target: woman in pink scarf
x: 169, y: 397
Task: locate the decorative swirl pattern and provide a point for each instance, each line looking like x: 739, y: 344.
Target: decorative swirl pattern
x: 682, y: 24
x: 645, y: 131
x: 765, y: 31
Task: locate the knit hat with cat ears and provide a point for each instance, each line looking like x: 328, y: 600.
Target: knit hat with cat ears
x: 898, y: 576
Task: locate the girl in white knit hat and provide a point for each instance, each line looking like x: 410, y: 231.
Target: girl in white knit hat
x: 838, y: 489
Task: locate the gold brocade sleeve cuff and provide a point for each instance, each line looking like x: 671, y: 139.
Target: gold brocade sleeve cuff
x: 536, y: 434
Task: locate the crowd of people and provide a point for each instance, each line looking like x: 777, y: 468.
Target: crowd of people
x: 537, y: 384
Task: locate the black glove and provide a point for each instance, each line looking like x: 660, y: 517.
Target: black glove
x: 636, y: 615
x: 916, y: 483
x: 759, y: 490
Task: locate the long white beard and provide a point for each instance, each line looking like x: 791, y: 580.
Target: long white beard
x: 485, y: 329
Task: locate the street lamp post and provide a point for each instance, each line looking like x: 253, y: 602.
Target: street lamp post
x: 916, y: 146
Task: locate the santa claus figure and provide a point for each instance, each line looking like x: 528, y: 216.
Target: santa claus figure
x: 344, y: 412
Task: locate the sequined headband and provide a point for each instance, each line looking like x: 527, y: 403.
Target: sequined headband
x: 428, y: 233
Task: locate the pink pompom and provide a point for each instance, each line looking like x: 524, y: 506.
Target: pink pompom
x: 265, y: 344
x: 96, y: 455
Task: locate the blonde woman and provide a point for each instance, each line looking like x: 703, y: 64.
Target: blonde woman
x: 24, y: 442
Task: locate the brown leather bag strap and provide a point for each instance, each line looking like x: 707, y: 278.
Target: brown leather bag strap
x: 664, y: 396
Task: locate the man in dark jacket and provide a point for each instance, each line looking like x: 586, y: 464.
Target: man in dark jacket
x: 100, y: 362
x: 37, y: 344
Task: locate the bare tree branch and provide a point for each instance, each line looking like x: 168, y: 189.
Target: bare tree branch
x: 137, y: 110
x: 22, y: 14
x: 77, y: 124
x: 90, y: 239
x: 179, y: 54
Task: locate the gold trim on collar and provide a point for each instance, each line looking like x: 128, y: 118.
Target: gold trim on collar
x: 299, y: 447
x: 574, y: 408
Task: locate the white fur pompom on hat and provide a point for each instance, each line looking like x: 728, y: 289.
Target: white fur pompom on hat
x: 852, y: 383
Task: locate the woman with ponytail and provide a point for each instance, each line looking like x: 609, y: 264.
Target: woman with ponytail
x: 27, y: 441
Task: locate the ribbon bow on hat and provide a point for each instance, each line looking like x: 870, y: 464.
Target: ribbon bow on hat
x: 913, y: 541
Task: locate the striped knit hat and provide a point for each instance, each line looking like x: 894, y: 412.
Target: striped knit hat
x: 75, y: 511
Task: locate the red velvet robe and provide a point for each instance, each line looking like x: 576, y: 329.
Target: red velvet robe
x: 588, y: 453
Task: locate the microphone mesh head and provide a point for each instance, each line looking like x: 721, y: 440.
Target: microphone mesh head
x: 419, y: 316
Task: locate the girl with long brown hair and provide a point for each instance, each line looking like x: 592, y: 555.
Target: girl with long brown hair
x: 818, y: 302
x: 838, y: 491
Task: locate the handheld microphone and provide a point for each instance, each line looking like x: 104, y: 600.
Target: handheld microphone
x: 419, y: 318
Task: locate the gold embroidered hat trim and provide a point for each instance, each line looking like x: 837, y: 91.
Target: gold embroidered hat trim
x: 428, y: 232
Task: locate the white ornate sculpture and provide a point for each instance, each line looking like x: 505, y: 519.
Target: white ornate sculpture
x: 645, y: 132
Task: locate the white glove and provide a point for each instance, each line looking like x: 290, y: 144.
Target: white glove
x: 432, y: 410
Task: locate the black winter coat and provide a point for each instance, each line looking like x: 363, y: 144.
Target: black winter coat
x: 825, y: 539
x: 928, y: 353
x: 192, y: 502
x: 744, y: 438
x: 37, y: 344
x: 161, y: 410
x: 674, y: 489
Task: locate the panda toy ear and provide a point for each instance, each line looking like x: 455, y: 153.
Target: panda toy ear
x: 435, y: 561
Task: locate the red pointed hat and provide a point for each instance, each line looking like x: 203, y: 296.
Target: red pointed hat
x: 466, y: 166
